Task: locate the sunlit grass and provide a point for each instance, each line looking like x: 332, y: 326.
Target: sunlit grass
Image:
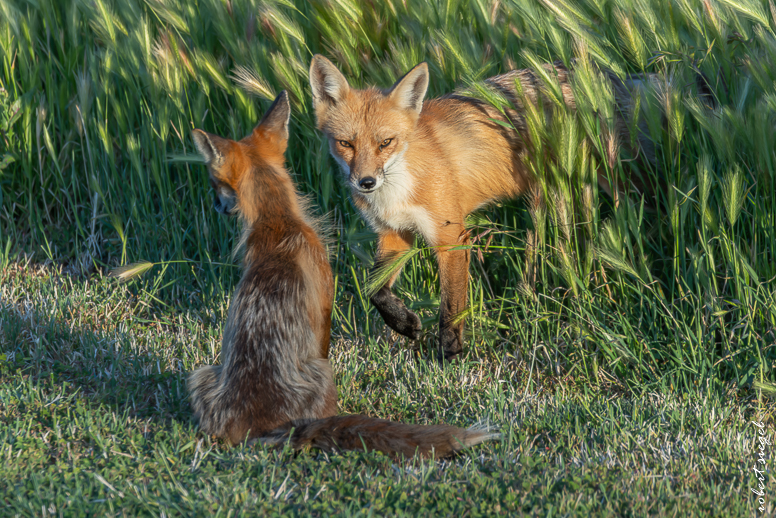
x: 94, y: 420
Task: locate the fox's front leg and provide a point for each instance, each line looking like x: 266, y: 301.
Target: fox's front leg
x: 454, y: 283
x: 390, y: 245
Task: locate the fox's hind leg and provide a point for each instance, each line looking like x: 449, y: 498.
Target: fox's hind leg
x: 205, y: 390
x: 390, y: 246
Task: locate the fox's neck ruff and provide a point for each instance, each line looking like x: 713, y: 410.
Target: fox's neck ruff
x: 393, y: 204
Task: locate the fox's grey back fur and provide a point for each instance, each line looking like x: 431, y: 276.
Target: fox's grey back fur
x: 533, y: 89
x: 270, y: 350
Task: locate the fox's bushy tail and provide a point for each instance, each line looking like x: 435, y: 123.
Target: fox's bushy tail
x: 358, y: 432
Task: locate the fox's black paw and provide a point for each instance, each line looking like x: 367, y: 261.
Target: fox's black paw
x: 396, y: 314
x: 408, y: 325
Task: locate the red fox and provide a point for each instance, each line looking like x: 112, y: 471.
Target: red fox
x: 416, y: 167
x: 275, y: 383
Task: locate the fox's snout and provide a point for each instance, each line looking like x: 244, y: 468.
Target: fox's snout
x: 224, y: 203
x: 363, y: 175
x: 224, y: 197
x: 368, y: 181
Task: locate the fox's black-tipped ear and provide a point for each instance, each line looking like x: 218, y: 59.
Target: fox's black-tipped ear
x: 211, y: 147
x: 409, y: 91
x: 277, y: 116
x: 328, y: 84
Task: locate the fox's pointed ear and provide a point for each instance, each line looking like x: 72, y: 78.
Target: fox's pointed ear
x: 211, y: 147
x: 328, y: 84
x: 409, y: 91
x: 276, y: 118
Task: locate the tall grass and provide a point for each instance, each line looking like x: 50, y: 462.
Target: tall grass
x: 99, y: 98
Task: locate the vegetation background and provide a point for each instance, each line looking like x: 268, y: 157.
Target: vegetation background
x: 623, y: 348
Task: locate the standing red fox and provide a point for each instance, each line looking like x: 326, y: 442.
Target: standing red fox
x: 421, y: 168
x: 275, y: 374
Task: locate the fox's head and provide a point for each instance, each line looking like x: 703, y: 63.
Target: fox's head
x: 234, y: 166
x: 368, y: 130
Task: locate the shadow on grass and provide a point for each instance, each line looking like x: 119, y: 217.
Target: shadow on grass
x: 72, y: 343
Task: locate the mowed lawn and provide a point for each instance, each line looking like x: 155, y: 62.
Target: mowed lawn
x: 625, y: 350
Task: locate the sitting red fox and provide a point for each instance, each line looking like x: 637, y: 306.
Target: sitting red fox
x: 421, y: 168
x: 275, y: 374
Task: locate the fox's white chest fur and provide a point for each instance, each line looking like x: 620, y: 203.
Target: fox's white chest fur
x: 392, y: 205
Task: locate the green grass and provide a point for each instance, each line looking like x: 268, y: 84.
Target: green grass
x: 622, y: 349
x: 94, y: 421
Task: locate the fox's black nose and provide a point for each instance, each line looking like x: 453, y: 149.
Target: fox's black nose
x: 367, y: 183
x: 220, y: 206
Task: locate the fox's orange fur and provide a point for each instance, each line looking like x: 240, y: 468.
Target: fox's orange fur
x: 275, y: 374
x: 418, y: 167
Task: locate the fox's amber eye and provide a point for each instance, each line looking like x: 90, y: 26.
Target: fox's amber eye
x: 385, y: 143
x: 345, y: 143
